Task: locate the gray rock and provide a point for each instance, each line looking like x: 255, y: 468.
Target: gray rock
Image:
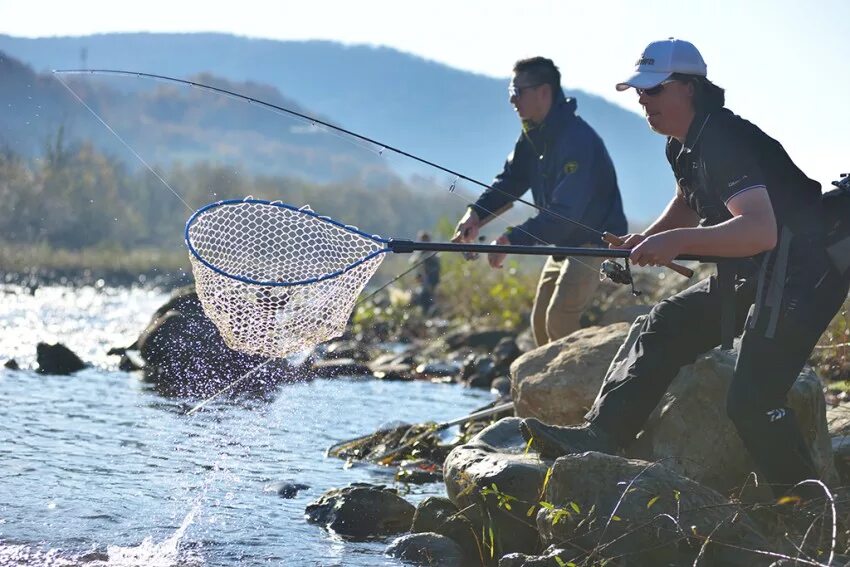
x: 183, y: 354
x: 441, y: 516
x: 333, y: 367
x: 841, y: 457
x: 558, y: 382
x: 552, y: 557
x: 496, y: 456
x: 428, y: 549
x: 362, y: 511
x: 676, y: 431
x: 57, y: 359
x: 838, y: 419
x: 501, y: 386
x: 623, y: 314
x: 287, y: 489
x: 616, y: 506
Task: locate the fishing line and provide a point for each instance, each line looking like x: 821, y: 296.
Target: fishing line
x: 120, y: 139
x: 377, y: 147
x: 314, y: 121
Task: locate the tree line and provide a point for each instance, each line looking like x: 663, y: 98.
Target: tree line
x: 74, y: 197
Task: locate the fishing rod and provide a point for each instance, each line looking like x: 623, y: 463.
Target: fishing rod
x: 605, y: 236
x: 612, y: 270
x: 277, y: 279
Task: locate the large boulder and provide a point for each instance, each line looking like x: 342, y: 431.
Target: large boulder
x: 558, y: 382
x: 688, y: 430
x: 495, y: 482
x: 185, y: 355
x: 613, y: 507
x: 593, y: 507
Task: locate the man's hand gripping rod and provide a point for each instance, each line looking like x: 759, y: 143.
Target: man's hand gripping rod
x: 678, y: 268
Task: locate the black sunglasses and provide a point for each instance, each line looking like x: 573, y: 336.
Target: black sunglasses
x: 656, y: 90
x: 516, y: 91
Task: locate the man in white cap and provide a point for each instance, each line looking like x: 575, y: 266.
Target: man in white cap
x: 738, y: 195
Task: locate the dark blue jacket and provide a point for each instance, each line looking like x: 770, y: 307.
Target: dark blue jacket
x: 569, y: 171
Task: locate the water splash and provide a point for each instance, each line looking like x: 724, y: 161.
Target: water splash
x: 151, y: 554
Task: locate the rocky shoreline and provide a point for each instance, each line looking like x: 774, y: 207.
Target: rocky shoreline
x: 682, y: 494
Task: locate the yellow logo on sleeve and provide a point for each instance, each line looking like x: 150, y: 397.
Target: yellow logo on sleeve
x: 570, y: 167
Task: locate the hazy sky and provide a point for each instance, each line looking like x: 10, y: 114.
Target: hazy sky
x: 785, y: 64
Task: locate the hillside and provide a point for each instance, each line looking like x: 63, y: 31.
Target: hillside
x: 459, y: 119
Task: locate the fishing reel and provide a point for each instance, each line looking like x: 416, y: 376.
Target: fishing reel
x: 621, y: 274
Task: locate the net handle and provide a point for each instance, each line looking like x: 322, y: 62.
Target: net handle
x: 401, y: 246
x: 282, y: 205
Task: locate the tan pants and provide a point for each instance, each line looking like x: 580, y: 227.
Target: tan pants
x: 564, y: 292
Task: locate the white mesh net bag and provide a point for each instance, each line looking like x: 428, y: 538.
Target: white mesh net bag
x: 276, y: 279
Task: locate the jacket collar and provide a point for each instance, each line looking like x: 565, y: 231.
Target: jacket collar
x: 563, y: 110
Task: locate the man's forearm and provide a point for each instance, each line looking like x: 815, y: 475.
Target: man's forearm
x: 738, y: 237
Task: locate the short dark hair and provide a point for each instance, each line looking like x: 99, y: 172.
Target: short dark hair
x: 541, y: 70
x: 708, y: 97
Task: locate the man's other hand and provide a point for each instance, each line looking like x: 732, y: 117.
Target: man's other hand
x: 497, y: 259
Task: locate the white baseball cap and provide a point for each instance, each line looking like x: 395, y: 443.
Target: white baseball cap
x: 661, y: 59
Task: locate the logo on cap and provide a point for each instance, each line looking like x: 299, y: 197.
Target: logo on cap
x: 645, y: 61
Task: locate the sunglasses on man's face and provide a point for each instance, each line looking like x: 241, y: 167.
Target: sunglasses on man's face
x: 656, y: 90
x: 516, y: 90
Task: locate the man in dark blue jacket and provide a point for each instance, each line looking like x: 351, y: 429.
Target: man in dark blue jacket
x: 565, y: 164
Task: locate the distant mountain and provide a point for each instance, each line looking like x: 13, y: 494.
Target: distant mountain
x: 168, y: 123
x: 458, y: 119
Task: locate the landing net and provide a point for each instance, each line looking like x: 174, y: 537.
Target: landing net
x: 275, y: 279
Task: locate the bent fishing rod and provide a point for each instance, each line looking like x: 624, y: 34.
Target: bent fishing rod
x: 615, y: 272
x: 605, y: 236
x: 277, y: 279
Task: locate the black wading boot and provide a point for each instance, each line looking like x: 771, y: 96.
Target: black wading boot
x: 553, y: 441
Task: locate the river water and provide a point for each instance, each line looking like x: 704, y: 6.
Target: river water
x: 97, y: 469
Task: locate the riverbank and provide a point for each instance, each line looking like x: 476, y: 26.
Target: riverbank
x: 38, y: 265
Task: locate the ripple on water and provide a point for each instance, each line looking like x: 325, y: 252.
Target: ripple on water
x: 96, y: 463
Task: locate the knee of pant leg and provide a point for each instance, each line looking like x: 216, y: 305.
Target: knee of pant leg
x: 559, y: 325
x: 573, y: 296
x: 663, y: 318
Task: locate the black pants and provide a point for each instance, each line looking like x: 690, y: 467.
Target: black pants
x: 791, y: 299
